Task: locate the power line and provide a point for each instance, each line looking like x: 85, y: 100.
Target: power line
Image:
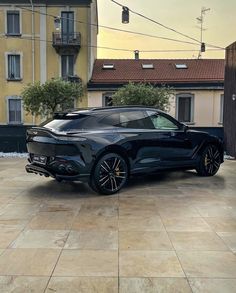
x: 164, y: 26
x: 158, y: 23
x: 110, y: 28
x: 112, y: 48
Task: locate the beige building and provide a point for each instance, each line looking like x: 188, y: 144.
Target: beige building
x: 33, y: 50
x: 198, y: 85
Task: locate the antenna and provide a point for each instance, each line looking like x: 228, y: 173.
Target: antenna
x: 200, y: 19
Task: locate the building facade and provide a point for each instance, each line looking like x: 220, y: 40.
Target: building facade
x: 198, y: 85
x: 33, y: 50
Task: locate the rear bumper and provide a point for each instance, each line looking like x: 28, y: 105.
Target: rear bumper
x: 30, y: 168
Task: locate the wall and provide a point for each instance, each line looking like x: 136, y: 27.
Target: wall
x: 13, y: 138
x: 206, y: 105
x: 47, y: 61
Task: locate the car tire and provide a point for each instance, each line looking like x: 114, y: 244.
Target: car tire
x: 110, y: 174
x: 209, y: 161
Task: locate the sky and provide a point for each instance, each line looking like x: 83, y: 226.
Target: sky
x: 219, y: 24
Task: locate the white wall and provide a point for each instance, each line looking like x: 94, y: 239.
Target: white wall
x: 206, y: 105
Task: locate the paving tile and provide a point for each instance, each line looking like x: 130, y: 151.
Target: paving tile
x: 208, y: 264
x: 141, y: 223
x: 144, y: 240
x: 41, y: 239
x: 178, y: 212
x: 99, y: 210
x: 86, y: 222
x: 222, y: 224
x: 186, y: 224
x: 213, y: 285
x: 28, y: 262
x: 19, y: 284
x: 101, y: 240
x: 217, y: 211
x: 7, y: 235
x: 135, y: 191
x: 60, y: 206
x: 83, y: 285
x: 13, y: 223
x: 138, y: 210
x: 196, y: 241
x: 52, y: 221
x: 154, y: 285
x: 19, y: 211
x: 149, y: 264
x: 87, y: 263
x: 229, y: 239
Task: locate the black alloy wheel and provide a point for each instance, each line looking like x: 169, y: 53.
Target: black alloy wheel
x: 209, y: 162
x: 110, y: 174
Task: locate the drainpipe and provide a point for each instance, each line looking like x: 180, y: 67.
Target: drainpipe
x: 33, y: 47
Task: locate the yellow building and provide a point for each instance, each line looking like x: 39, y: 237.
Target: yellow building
x: 31, y: 49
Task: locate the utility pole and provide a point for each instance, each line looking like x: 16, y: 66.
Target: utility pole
x: 201, y: 21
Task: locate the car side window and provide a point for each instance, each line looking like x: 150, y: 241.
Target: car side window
x: 135, y: 120
x: 161, y: 122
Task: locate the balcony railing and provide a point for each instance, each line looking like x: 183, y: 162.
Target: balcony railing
x: 66, y: 40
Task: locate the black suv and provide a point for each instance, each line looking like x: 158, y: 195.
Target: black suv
x: 104, y: 146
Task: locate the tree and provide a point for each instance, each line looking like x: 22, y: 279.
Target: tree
x: 54, y: 95
x: 143, y: 94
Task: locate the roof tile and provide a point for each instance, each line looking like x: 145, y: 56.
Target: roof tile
x: 165, y: 71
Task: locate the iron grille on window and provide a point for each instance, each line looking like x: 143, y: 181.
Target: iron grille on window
x: 14, y: 67
x: 67, y: 65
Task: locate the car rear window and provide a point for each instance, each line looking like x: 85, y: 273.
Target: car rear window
x: 71, y: 123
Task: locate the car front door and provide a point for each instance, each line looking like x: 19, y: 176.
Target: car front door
x: 172, y: 144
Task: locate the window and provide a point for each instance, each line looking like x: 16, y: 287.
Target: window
x: 72, y: 123
x: 108, y: 66
x: 221, y: 108
x: 13, y: 22
x: 185, y: 108
x: 161, y: 122
x: 14, y: 110
x: 13, y: 67
x: 67, y: 65
x: 67, y: 26
x: 148, y: 66
x: 130, y: 119
x: 107, y: 99
x: 181, y: 66
x: 135, y: 119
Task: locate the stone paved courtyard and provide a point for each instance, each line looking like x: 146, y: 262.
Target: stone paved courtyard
x: 172, y: 232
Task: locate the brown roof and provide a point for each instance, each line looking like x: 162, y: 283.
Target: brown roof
x: 165, y: 71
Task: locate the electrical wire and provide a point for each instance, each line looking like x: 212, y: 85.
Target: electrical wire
x: 165, y: 26
x: 110, y: 28
x: 114, y: 49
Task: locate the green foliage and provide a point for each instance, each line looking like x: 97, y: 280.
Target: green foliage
x: 54, y: 95
x: 143, y: 94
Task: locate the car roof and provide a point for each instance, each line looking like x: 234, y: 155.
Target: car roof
x: 115, y: 109
x: 100, y: 110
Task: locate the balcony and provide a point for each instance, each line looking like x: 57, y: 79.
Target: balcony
x: 66, y: 43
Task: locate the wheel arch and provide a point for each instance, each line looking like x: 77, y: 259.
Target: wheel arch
x: 112, y: 149
x: 214, y: 142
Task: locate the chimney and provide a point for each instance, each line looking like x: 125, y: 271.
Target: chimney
x: 136, y: 54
